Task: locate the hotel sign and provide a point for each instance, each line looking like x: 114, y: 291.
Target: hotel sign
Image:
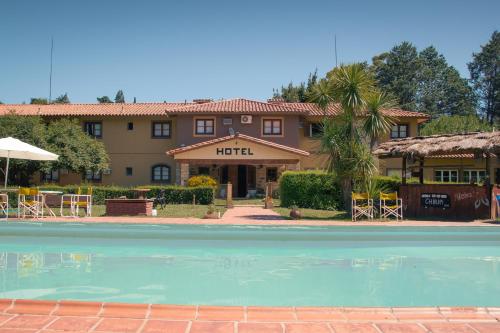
x: 435, y: 200
x: 235, y: 151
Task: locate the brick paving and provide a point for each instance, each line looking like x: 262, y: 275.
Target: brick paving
x: 35, y: 316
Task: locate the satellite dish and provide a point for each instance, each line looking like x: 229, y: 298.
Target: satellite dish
x: 231, y: 131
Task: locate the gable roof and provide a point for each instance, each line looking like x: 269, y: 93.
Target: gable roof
x: 237, y: 105
x: 238, y: 136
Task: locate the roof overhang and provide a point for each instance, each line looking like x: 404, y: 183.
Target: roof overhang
x: 237, y: 149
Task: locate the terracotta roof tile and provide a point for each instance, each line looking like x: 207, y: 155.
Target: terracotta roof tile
x: 335, y: 109
x: 105, y: 109
x: 239, y: 136
x: 238, y: 105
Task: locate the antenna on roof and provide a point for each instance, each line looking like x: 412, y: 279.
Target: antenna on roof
x: 335, y: 50
x: 50, y: 75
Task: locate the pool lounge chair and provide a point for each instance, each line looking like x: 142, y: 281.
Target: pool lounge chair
x: 84, y: 200
x: 362, y: 205
x: 391, y: 205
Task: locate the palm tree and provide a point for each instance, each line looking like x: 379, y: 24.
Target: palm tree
x: 376, y: 123
x: 343, y: 138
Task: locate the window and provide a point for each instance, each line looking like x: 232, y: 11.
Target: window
x: 205, y: 126
x: 130, y: 126
x: 160, y: 173
x: 474, y: 176
x: 129, y: 171
x: 447, y: 176
x: 271, y: 174
x: 161, y: 129
x: 50, y: 176
x: 272, y: 127
x: 399, y: 131
x: 204, y: 171
x: 315, y: 130
x: 227, y: 121
x: 93, y: 176
x: 94, y: 129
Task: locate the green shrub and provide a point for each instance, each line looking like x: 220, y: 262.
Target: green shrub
x: 310, y: 189
x: 201, y: 180
x: 174, y: 194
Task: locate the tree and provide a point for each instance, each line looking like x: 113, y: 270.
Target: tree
x: 455, y: 124
x: 397, y: 72
x: 297, y: 94
x: 39, y: 100
x: 485, y: 77
x: 344, y: 138
x: 62, y: 99
x: 441, y: 90
x: 104, y: 99
x: 30, y: 130
x: 120, y: 97
x: 77, y: 151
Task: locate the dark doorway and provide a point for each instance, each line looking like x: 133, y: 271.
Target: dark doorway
x: 242, y: 181
x: 224, y: 174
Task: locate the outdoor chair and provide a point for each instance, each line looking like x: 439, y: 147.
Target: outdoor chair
x: 77, y: 200
x: 4, y: 204
x: 83, y: 200
x: 391, y: 205
x: 362, y: 205
x: 29, y: 202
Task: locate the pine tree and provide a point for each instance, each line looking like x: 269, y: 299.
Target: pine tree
x: 120, y: 97
x: 485, y: 78
x: 104, y: 99
x: 62, y: 99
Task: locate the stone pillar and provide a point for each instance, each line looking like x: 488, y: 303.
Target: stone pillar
x: 229, y: 195
x: 268, y: 203
x: 184, y: 174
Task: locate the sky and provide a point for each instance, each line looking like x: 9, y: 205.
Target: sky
x: 180, y: 50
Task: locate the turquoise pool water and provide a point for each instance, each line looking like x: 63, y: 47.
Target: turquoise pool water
x: 229, y: 265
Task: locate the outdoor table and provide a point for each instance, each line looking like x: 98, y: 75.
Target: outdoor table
x: 44, y: 194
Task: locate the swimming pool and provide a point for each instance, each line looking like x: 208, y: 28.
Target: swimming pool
x: 245, y: 265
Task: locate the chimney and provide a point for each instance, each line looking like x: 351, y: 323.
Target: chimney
x: 202, y: 100
x: 276, y: 100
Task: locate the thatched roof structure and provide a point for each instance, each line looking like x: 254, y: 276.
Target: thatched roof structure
x: 448, y: 144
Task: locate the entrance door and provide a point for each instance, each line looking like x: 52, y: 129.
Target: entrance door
x: 242, y: 181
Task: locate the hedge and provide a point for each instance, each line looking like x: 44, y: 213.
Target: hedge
x: 174, y: 194
x: 310, y: 189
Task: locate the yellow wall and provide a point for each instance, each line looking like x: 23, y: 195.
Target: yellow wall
x: 135, y: 148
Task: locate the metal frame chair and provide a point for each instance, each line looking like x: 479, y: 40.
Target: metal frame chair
x: 68, y: 199
x: 29, y: 202
x: 4, y: 204
x: 391, y: 205
x: 84, y: 201
x: 362, y: 205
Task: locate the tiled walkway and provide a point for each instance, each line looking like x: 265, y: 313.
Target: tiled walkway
x: 68, y: 316
x: 255, y: 215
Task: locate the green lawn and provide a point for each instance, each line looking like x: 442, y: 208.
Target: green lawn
x: 185, y: 210
x: 315, y: 214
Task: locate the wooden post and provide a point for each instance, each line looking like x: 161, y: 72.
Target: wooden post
x: 268, y: 203
x: 421, y: 171
x: 229, y: 195
x: 403, y: 170
x: 488, y: 178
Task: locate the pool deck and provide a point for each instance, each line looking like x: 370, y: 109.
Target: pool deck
x: 30, y: 316
x: 256, y: 215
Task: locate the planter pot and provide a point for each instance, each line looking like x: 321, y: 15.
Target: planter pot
x: 295, y: 214
x: 211, y: 216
